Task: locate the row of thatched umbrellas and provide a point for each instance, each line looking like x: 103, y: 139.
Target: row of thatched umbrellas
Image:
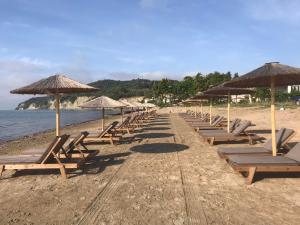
x: 270, y: 75
x: 58, y: 85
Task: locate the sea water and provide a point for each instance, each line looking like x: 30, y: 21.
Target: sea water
x: 15, y: 124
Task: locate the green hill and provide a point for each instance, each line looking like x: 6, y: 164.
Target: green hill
x: 115, y: 89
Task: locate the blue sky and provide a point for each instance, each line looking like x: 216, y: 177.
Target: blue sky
x: 91, y: 40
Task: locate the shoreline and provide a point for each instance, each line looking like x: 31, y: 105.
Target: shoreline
x: 26, y: 135
x: 42, y: 138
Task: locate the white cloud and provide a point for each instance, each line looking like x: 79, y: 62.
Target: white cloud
x: 121, y: 76
x: 157, y: 75
x: 278, y: 10
x: 15, y: 24
x: 16, y: 73
x: 150, y: 4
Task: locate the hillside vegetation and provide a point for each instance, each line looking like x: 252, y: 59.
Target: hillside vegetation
x: 112, y: 88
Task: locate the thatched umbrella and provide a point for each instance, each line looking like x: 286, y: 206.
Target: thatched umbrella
x: 196, y: 101
x: 55, y: 86
x: 127, y: 103
x: 103, y: 103
x: 222, y: 90
x: 148, y: 105
x: 138, y: 105
x: 269, y: 75
x: 203, y: 96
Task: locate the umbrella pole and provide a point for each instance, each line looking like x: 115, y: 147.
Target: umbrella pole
x: 57, y: 107
x: 122, y: 114
x: 210, y: 109
x: 201, y: 108
x: 103, y: 111
x: 228, y: 113
x: 273, y: 121
x: 195, y: 111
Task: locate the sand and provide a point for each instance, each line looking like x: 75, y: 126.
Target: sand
x: 169, y: 176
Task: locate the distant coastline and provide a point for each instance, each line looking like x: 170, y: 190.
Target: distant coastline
x: 19, y: 124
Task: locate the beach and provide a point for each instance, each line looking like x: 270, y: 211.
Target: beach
x: 165, y: 175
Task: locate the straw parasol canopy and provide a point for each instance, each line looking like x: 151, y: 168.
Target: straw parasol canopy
x: 223, y: 90
x: 204, y: 96
x: 54, y: 86
x: 148, y: 105
x: 103, y: 103
x: 269, y: 75
x: 137, y: 104
x: 57, y: 84
x: 280, y: 74
x: 126, y: 102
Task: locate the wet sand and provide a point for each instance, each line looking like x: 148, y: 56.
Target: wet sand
x: 169, y: 176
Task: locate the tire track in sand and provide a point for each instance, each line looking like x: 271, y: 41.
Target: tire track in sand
x: 194, y: 209
x: 94, y: 213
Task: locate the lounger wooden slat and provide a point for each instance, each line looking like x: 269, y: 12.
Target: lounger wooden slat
x: 239, y: 134
x: 46, y: 160
x: 253, y: 164
x: 283, y: 136
x: 107, y: 135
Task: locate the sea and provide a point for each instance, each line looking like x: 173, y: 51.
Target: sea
x: 15, y: 124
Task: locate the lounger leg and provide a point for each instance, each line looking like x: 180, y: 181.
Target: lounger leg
x: 251, y: 174
x: 1, y: 170
x: 63, y: 172
x: 250, y: 140
x: 111, y: 141
x: 211, y: 141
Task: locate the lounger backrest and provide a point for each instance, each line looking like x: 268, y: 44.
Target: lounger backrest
x: 294, y: 153
x: 133, y: 118
x: 107, y: 129
x: 234, y: 124
x: 54, y: 148
x: 217, y: 121
x: 281, y: 137
x: 76, y: 141
x: 113, y: 125
x: 214, y: 118
x: 241, y: 127
x: 125, y: 122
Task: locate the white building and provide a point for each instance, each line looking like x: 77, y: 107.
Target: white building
x: 293, y: 88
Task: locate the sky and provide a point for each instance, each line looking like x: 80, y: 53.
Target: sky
x: 152, y: 39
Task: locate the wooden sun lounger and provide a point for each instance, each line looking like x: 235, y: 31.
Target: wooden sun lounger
x: 255, y: 164
x: 71, y: 150
x: 283, y: 136
x: 107, y: 135
x: 216, y: 124
x: 48, y: 159
x: 239, y: 134
x: 201, y: 120
x: 123, y: 127
x: 220, y: 126
x: 74, y: 148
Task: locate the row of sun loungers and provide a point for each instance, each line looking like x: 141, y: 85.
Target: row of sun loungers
x: 251, y: 160
x: 63, y: 155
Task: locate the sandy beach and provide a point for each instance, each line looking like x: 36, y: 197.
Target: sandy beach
x: 167, y: 175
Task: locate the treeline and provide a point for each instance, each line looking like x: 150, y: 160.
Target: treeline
x: 168, y: 91
x: 172, y: 91
x: 114, y: 89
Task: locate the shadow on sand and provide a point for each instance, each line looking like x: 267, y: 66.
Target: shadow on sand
x: 154, y: 135
x: 260, y: 131
x: 159, y: 148
x: 94, y: 165
x: 157, y: 128
x: 281, y: 175
x: 160, y: 124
